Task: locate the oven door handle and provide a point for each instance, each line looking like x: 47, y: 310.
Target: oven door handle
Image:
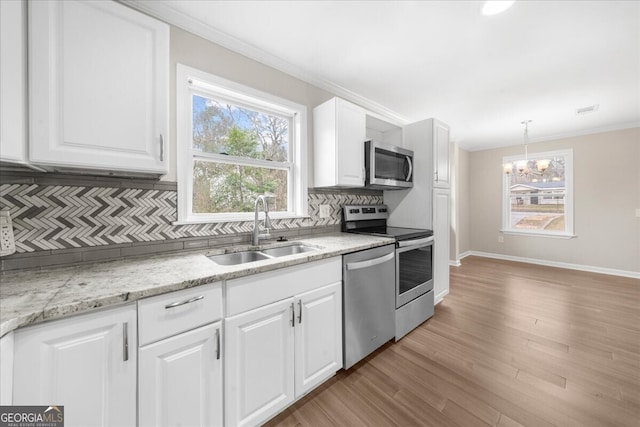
x: 416, y: 242
x: 370, y: 262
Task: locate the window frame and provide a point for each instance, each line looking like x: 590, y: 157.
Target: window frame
x: 190, y: 81
x: 568, y: 232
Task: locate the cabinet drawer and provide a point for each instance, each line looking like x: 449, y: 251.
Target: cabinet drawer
x: 166, y: 315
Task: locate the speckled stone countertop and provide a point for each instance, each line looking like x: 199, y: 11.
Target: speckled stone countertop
x: 31, y: 297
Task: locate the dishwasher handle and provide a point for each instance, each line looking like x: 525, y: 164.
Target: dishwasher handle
x: 370, y: 262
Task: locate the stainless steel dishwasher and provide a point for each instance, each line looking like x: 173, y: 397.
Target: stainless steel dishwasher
x: 369, y: 282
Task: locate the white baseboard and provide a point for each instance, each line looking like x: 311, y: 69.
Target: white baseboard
x: 592, y: 269
x: 454, y: 263
x: 438, y: 298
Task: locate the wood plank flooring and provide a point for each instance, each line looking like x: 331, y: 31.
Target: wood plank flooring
x: 512, y: 344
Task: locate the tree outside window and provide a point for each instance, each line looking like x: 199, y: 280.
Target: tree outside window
x: 236, y: 143
x: 229, y: 181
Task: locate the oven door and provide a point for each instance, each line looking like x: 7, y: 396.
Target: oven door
x: 414, y: 269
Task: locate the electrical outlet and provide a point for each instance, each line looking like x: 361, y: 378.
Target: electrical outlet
x: 7, y: 244
x: 501, y: 239
x: 325, y: 211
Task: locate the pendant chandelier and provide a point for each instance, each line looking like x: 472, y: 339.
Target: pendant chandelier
x: 522, y: 166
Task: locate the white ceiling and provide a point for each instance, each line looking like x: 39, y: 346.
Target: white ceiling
x: 410, y: 60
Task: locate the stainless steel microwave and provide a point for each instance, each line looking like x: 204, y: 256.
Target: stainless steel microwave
x: 387, y: 167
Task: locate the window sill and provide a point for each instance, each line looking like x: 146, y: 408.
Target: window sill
x: 239, y: 218
x: 565, y: 236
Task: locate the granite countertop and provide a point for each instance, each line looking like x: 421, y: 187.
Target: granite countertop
x: 31, y: 297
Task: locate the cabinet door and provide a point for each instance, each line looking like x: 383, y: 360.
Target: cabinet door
x: 12, y: 81
x: 339, y: 131
x: 259, y: 363
x: 441, y: 220
x: 318, y: 336
x: 86, y: 363
x: 181, y: 380
x: 98, y: 88
x: 441, y: 166
x: 351, y: 122
x: 6, y: 369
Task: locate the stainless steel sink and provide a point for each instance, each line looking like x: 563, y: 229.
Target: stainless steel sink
x: 236, y: 258
x: 243, y: 257
x: 296, y: 248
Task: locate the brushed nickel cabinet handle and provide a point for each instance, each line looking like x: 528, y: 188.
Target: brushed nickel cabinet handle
x: 125, y: 341
x: 179, y: 303
x: 161, y: 148
x: 218, y: 344
x: 299, y: 311
x: 293, y: 315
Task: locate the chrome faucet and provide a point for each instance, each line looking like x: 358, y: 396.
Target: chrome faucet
x: 255, y: 240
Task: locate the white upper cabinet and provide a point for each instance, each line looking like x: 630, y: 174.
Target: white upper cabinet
x: 13, y: 81
x: 98, y: 87
x: 441, y: 166
x: 339, y: 132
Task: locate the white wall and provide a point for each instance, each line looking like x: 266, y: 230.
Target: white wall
x: 606, y: 194
x: 460, y: 197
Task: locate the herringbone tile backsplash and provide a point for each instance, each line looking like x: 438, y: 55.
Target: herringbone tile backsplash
x: 50, y: 217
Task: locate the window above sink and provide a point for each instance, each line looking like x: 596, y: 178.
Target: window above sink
x: 235, y: 143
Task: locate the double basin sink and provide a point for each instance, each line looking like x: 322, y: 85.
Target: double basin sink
x: 243, y: 257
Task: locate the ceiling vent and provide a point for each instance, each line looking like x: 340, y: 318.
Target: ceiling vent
x: 587, y: 110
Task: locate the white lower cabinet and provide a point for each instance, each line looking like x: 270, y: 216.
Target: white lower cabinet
x: 180, y: 358
x: 259, y: 364
x: 6, y: 369
x: 318, y: 337
x: 86, y: 363
x: 441, y: 225
x: 180, y: 380
x: 276, y: 353
x: 283, y: 338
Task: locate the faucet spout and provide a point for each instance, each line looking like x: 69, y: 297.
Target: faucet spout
x: 256, y: 236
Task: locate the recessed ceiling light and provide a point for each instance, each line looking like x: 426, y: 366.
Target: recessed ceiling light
x: 496, y: 7
x: 585, y: 110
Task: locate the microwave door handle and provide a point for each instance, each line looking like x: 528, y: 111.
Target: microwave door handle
x: 410, y: 168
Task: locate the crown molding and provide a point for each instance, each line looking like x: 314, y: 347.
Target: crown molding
x: 165, y: 12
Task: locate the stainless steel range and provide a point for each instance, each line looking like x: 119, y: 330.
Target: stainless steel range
x: 414, y: 263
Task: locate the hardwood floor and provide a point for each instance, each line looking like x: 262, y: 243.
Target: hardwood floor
x: 512, y: 344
